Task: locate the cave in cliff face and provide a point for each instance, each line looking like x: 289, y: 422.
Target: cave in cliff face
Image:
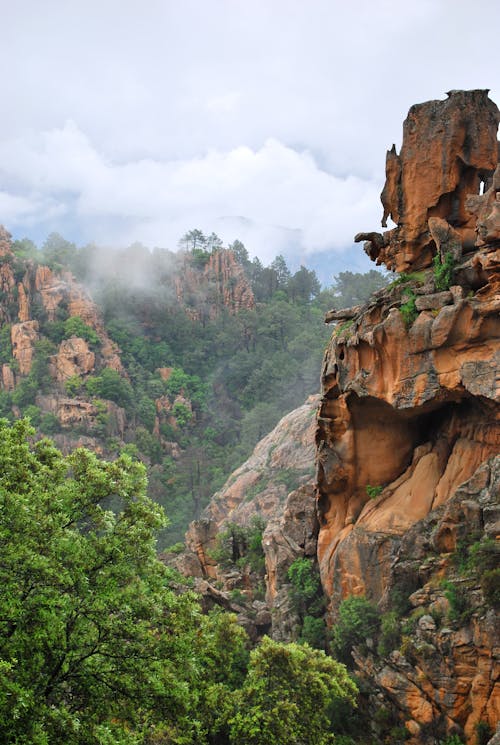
x: 414, y: 457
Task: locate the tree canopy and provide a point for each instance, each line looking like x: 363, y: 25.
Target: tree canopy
x: 101, y: 645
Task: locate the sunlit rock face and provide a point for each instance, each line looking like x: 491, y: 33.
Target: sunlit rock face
x: 410, y: 392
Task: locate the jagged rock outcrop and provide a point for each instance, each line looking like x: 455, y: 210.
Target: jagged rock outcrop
x: 77, y: 412
x: 221, y: 284
x: 73, y: 358
x: 61, y: 291
x: 410, y: 410
x: 23, y: 337
x: 276, y: 485
x: 449, y: 149
x: 44, y: 294
x: 8, y: 380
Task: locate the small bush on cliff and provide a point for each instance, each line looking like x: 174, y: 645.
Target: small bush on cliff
x: 483, y: 733
x: 459, y: 611
x: 304, y: 579
x: 452, y: 740
x: 405, y: 277
x: 358, y: 621
x: 490, y: 585
x: 374, y: 491
x: 307, y: 599
x: 239, y: 545
x: 111, y: 386
x: 390, y: 633
x: 5, y: 344
x: 443, y: 271
x: 409, y: 308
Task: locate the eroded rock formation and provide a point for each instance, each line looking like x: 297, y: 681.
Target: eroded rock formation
x: 408, y: 425
x: 449, y: 152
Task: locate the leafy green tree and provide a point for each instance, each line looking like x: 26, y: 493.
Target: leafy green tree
x: 213, y: 242
x: 146, y: 413
x: 25, y: 249
x: 353, y: 288
x: 57, y: 252
x: 304, y: 285
x: 5, y: 344
x: 76, y: 326
x: 358, y: 621
x: 193, y: 239
x: 92, y: 638
x: 286, y: 696
x: 240, y: 252
x: 281, y: 273
x: 111, y: 386
x: 5, y: 404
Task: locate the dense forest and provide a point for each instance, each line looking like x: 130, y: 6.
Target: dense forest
x: 230, y: 371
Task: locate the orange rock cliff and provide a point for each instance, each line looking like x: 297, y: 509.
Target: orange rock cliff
x: 408, y: 471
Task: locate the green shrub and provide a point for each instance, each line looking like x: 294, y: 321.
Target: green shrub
x: 33, y: 413
x: 410, y: 623
x: 5, y: 344
x: 110, y: 386
x: 342, y: 327
x: 76, y: 326
x: 358, y: 621
x: 443, y: 271
x: 490, y: 585
x: 73, y: 385
x: 305, y: 582
x: 54, y: 330
x: 460, y: 610
x: 148, y: 444
x: 483, y: 733
x: 390, y: 633
x: 313, y: 632
x: 146, y: 413
x: 49, y: 423
x: 239, y: 545
x: 5, y: 405
x: 25, y: 393
x: 398, y: 734
x: 182, y: 414
x: 452, y: 740
x: 484, y: 554
x: 409, y: 308
x: 307, y: 599
x: 238, y: 597
x: 374, y: 491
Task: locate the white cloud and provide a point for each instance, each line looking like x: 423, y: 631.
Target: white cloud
x: 275, y: 187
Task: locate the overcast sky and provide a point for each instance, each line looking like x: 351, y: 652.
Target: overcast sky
x: 264, y: 120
